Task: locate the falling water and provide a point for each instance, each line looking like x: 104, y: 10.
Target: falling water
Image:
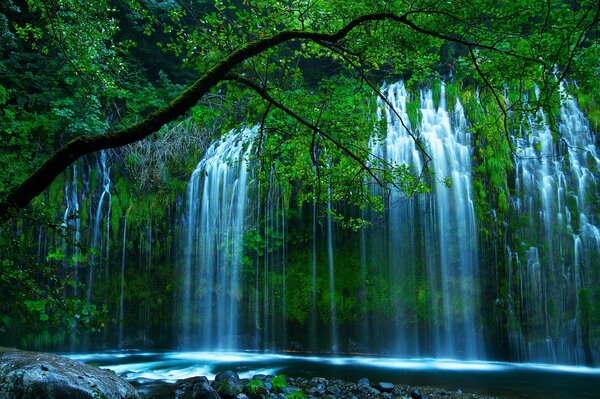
x: 104, y: 171
x: 555, y: 190
x: 215, y: 224
x: 72, y: 221
x: 419, y: 262
x: 433, y: 235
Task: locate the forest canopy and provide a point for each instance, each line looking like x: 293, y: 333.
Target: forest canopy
x: 78, y: 77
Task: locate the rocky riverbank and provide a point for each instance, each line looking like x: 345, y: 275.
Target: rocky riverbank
x: 228, y: 385
x: 35, y: 375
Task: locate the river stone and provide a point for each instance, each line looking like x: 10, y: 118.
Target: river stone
x: 384, y: 386
x: 334, y: 390
x: 204, y: 391
x: 229, y: 388
x: 37, y: 375
x: 227, y: 375
x: 364, y: 381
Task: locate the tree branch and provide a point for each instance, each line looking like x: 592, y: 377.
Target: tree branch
x: 265, y: 95
x: 43, y: 176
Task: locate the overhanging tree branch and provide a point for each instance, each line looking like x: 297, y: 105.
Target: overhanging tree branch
x: 43, y: 176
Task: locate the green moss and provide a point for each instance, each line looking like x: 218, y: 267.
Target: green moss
x: 413, y: 109
x: 254, y: 387
x: 278, y: 383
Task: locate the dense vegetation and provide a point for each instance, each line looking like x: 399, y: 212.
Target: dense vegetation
x: 79, y: 77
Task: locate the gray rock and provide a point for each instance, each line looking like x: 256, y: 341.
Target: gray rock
x: 334, y: 390
x: 384, y: 386
x: 368, y: 389
x: 227, y: 375
x: 36, y: 375
x: 319, y: 380
x: 229, y: 388
x: 364, y: 381
x: 185, y: 389
x: 241, y: 396
x: 204, y: 391
x: 315, y: 391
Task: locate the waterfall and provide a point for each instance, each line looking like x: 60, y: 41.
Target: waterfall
x: 555, y: 189
x: 216, y: 211
x: 72, y: 221
x: 102, y: 251
x: 422, y: 278
x: 432, y: 237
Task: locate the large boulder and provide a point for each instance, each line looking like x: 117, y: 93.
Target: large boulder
x: 228, y: 384
x: 35, y: 375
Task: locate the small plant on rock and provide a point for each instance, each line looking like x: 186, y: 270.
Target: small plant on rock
x: 278, y: 383
x: 255, y: 387
x: 296, y: 395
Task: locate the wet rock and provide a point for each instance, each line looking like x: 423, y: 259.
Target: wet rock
x: 228, y: 384
x: 459, y: 392
x: 185, y: 388
x: 364, y: 381
x: 334, y: 390
x: 315, y: 391
x: 416, y: 394
x: 384, y: 386
x: 37, y: 375
x: 204, y: 391
x: 368, y: 390
x: 227, y: 375
x: 318, y: 380
x: 229, y: 388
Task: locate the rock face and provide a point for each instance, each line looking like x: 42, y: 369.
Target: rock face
x: 35, y: 375
x: 228, y: 384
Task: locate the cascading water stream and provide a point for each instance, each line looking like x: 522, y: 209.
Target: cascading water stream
x: 216, y: 211
x: 71, y: 220
x: 103, y: 251
x: 420, y: 288
x: 555, y: 187
x: 435, y: 235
